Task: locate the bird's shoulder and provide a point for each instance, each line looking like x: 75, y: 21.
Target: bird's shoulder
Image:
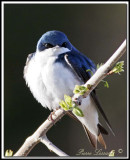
x: 29, y: 57
x: 79, y: 63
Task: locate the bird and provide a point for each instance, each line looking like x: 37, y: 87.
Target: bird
x: 53, y: 70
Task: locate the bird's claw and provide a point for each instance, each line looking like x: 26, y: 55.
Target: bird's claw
x: 50, y: 118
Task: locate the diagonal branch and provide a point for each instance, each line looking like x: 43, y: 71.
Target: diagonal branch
x: 40, y: 134
x: 101, y: 73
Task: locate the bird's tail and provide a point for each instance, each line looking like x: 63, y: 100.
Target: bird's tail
x: 93, y: 139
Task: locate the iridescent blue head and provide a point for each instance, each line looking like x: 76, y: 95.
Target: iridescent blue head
x: 51, y: 39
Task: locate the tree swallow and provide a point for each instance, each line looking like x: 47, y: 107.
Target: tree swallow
x: 54, y: 70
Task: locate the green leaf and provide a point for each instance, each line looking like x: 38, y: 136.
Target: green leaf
x: 80, y: 90
x: 99, y: 65
x: 63, y: 105
x: 68, y: 104
x: 76, y: 91
x: 9, y: 153
x: 105, y: 84
x: 118, y: 67
x: 78, y: 112
x: 89, y: 70
x: 68, y: 101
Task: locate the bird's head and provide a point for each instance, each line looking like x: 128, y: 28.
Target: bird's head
x: 53, y: 39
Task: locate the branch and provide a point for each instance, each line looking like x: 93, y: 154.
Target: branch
x: 40, y: 134
x: 101, y: 73
x: 52, y: 147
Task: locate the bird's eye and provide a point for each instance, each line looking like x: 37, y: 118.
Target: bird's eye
x: 48, y: 45
x: 64, y: 44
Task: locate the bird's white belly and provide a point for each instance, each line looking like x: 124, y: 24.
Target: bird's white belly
x: 58, y: 80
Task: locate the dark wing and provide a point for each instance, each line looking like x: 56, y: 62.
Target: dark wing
x: 94, y: 96
x: 79, y: 64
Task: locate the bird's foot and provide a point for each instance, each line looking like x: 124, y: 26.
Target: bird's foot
x: 50, y: 118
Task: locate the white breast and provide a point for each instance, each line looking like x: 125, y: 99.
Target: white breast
x: 49, y: 81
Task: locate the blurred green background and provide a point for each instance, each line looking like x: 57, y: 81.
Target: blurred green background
x: 97, y: 30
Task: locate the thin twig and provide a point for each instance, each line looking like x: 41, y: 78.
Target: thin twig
x: 51, y: 146
x: 40, y: 133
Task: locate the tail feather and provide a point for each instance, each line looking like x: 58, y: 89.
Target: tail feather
x: 92, y: 138
x: 101, y: 141
x: 102, y: 129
